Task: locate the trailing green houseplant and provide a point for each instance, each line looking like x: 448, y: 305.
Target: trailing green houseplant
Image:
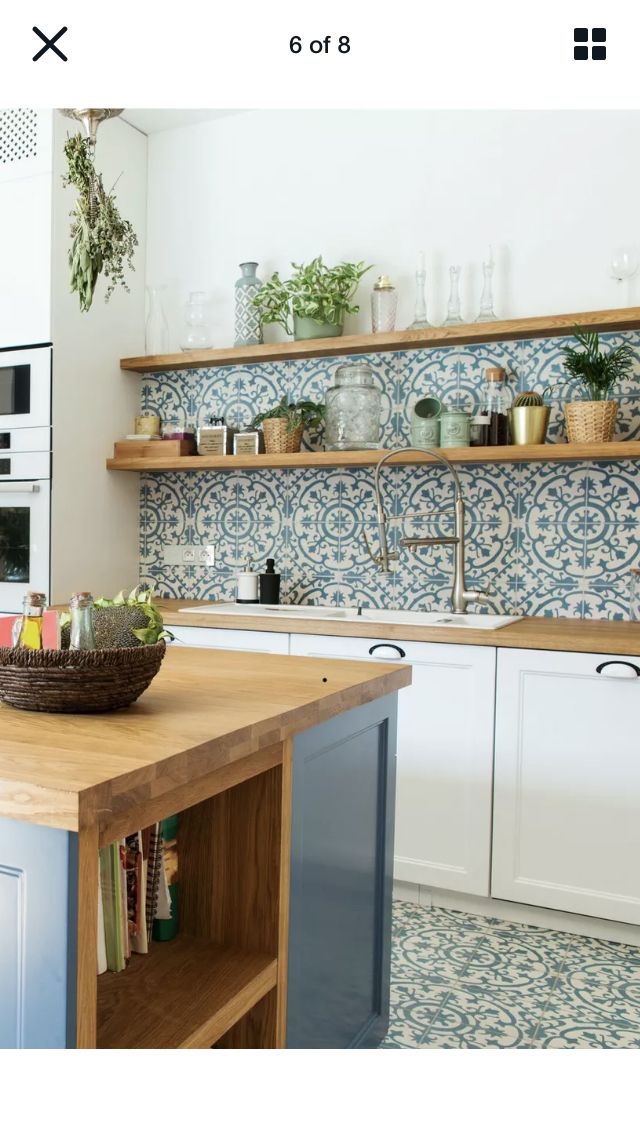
x: 102, y: 242
x: 314, y: 301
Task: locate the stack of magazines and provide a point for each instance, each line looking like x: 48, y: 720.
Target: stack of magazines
x: 134, y: 878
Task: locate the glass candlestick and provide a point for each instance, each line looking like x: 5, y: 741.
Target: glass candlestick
x: 420, y: 319
x: 453, y: 307
x: 486, y: 313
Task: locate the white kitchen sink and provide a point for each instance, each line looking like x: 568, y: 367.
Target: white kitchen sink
x: 442, y: 619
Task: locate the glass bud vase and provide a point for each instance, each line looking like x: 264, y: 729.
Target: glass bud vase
x: 196, y: 334
x: 157, y: 329
x: 486, y: 313
x: 453, y: 308
x: 248, y: 324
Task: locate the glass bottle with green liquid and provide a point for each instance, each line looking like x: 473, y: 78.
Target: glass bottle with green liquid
x: 27, y: 630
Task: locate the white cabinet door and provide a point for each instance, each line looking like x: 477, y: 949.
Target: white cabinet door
x: 224, y: 639
x: 445, y: 757
x: 567, y: 783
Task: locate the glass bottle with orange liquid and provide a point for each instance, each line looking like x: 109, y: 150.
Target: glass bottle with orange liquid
x: 27, y: 630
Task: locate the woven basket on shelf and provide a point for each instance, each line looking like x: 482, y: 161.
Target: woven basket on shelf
x: 590, y: 421
x: 77, y: 682
x: 277, y: 440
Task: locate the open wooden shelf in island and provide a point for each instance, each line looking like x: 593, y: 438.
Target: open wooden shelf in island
x: 537, y: 327
x: 596, y: 451
x: 222, y: 981
x: 185, y: 994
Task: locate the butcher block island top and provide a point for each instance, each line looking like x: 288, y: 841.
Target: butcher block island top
x: 204, y: 712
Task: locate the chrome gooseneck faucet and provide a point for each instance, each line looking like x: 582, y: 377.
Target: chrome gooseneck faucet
x: 460, y: 594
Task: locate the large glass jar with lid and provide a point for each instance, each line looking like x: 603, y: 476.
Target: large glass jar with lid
x: 353, y: 409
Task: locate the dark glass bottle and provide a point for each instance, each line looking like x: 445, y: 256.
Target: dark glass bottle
x: 270, y: 584
x: 494, y: 405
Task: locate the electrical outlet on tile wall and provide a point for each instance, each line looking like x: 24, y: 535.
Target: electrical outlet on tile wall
x: 203, y: 555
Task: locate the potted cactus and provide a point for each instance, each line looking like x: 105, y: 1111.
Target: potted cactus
x: 528, y: 419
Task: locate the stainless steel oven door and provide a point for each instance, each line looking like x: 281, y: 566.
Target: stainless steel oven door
x: 24, y: 541
x: 25, y: 388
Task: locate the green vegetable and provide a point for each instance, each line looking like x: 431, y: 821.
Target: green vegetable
x: 314, y: 291
x: 303, y: 413
x: 101, y: 241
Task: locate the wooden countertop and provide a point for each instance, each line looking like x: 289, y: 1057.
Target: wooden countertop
x: 203, y: 711
x: 599, y: 636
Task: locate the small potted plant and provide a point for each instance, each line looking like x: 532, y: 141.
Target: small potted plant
x: 283, y: 425
x: 593, y: 419
x: 528, y: 419
x: 313, y: 303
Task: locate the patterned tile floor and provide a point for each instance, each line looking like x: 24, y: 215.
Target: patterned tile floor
x: 461, y: 981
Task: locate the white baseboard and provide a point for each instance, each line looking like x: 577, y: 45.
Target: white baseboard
x: 518, y: 913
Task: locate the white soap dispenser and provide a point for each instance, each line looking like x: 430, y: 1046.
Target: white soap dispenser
x: 247, y: 586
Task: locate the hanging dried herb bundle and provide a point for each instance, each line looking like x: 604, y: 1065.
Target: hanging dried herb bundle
x: 101, y: 241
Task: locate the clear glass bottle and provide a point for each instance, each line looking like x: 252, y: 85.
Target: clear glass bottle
x: 82, y: 637
x: 494, y: 405
x: 27, y: 629
x: 453, y: 308
x: 353, y: 410
x: 157, y: 329
x: 196, y: 335
x: 384, y: 302
x: 486, y: 313
x: 420, y: 318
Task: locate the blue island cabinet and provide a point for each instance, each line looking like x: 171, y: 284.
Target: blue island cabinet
x: 341, y: 880
x: 339, y: 893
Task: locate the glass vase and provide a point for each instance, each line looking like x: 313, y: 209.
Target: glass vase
x: 196, y: 335
x: 420, y: 318
x: 453, y: 308
x: 486, y: 313
x: 157, y: 329
x: 248, y: 324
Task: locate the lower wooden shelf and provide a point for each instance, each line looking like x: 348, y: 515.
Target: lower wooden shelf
x: 185, y: 994
x: 484, y: 455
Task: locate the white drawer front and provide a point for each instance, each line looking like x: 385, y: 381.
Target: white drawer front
x: 222, y: 639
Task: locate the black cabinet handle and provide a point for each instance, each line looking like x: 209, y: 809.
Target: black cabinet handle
x: 618, y: 663
x: 394, y: 647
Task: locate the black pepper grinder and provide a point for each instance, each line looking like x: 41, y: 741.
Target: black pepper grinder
x: 270, y: 584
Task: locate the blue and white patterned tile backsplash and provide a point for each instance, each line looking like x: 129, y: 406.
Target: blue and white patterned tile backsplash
x: 557, y: 539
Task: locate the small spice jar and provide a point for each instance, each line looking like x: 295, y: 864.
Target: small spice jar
x: 384, y: 302
x: 353, y: 409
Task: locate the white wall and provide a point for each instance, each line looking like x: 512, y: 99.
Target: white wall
x: 554, y: 192
x: 95, y: 513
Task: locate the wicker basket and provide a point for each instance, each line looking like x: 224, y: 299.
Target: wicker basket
x: 590, y: 421
x: 77, y: 682
x: 277, y: 440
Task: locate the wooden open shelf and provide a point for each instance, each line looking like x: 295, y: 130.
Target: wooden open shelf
x: 185, y: 994
x: 537, y: 327
x: 598, y: 451
x: 222, y: 980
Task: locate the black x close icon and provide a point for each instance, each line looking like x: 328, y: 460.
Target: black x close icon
x: 50, y: 43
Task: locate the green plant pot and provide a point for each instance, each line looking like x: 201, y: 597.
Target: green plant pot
x: 306, y: 328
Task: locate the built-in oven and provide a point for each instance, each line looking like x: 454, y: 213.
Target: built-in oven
x: 25, y: 388
x: 25, y: 514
